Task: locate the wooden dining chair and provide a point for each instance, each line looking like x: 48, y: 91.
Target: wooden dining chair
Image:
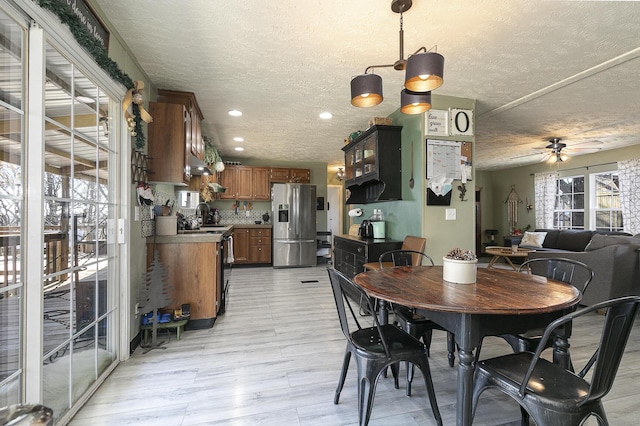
x: 409, y: 243
x: 375, y: 348
x: 551, y: 394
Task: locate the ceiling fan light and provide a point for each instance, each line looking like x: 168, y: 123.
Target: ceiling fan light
x: 424, y: 72
x: 366, y: 90
x: 414, y: 103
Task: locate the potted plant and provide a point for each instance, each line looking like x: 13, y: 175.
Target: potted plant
x: 460, y: 266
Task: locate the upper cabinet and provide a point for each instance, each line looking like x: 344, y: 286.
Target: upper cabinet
x: 373, y: 166
x: 245, y: 183
x: 250, y: 183
x: 238, y: 180
x: 261, y: 184
x: 174, y: 136
x: 284, y: 175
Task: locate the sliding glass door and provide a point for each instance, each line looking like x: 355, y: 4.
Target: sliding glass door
x: 59, y: 179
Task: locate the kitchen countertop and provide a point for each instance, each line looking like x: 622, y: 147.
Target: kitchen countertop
x: 252, y: 225
x: 206, y: 234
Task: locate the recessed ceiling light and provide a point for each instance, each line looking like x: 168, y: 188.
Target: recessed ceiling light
x: 239, y: 148
x: 326, y: 115
x: 238, y: 139
x: 235, y: 113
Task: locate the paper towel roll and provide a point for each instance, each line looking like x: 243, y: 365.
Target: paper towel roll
x: 355, y: 212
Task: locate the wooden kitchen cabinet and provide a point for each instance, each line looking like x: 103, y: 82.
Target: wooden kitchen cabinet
x: 240, y: 245
x: 174, y: 135
x: 260, y: 245
x: 279, y: 175
x: 284, y: 175
x: 168, y: 149
x: 193, y: 269
x: 245, y: 183
x: 251, y: 245
x: 261, y: 184
x: 299, y: 175
x: 239, y: 183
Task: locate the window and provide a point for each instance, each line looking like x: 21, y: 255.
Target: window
x: 606, y: 212
x: 569, y: 205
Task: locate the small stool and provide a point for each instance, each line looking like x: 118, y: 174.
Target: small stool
x: 178, y: 325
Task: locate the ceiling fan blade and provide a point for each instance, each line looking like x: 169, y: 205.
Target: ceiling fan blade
x: 570, y: 150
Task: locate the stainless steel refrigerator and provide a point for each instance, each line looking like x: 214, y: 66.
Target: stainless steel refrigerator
x: 294, y: 225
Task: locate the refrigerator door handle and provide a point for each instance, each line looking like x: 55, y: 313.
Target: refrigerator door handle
x: 296, y: 210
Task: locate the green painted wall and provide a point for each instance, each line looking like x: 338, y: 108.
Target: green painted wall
x: 412, y: 216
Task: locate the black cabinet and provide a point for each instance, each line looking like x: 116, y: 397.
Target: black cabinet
x: 351, y: 253
x: 372, y: 164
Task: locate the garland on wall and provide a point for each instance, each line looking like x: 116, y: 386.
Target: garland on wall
x: 100, y: 55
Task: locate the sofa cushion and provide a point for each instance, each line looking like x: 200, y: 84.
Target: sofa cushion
x: 573, y: 239
x: 551, y: 238
x: 533, y: 239
x: 599, y: 241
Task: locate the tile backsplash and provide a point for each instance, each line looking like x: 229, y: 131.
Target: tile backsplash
x: 229, y: 217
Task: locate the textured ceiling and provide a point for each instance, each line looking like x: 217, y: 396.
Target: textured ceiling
x: 536, y: 69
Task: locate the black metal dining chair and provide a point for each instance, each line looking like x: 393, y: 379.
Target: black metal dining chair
x: 551, y: 394
x: 559, y: 269
x: 409, y: 319
x: 375, y: 348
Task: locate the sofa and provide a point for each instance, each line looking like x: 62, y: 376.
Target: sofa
x: 614, y: 258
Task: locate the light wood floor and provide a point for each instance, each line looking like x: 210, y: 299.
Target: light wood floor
x: 274, y: 359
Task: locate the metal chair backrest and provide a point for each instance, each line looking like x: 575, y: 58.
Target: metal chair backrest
x: 562, y: 269
x: 338, y: 282
x: 621, y: 314
x: 403, y: 258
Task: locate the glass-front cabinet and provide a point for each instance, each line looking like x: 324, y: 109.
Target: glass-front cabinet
x: 361, y: 159
x: 372, y: 165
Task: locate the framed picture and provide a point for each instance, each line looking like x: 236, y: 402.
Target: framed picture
x: 319, y: 203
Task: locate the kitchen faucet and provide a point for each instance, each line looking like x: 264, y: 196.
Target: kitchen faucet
x: 204, y: 211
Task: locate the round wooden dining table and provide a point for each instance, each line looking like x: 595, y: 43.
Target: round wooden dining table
x: 499, y: 302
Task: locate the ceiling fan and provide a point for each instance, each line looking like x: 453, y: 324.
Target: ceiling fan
x: 557, y: 151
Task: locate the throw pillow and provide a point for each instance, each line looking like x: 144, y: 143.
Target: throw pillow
x: 533, y: 239
x: 599, y: 241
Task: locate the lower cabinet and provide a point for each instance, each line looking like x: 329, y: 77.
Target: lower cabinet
x: 351, y: 253
x: 192, y: 269
x: 251, y: 245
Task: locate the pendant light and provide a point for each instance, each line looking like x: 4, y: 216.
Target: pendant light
x: 424, y: 72
x: 366, y: 90
x: 414, y: 102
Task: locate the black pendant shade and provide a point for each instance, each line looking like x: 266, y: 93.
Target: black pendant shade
x: 366, y: 90
x: 424, y: 72
x: 414, y: 102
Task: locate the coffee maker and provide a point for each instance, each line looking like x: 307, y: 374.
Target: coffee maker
x: 366, y: 229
